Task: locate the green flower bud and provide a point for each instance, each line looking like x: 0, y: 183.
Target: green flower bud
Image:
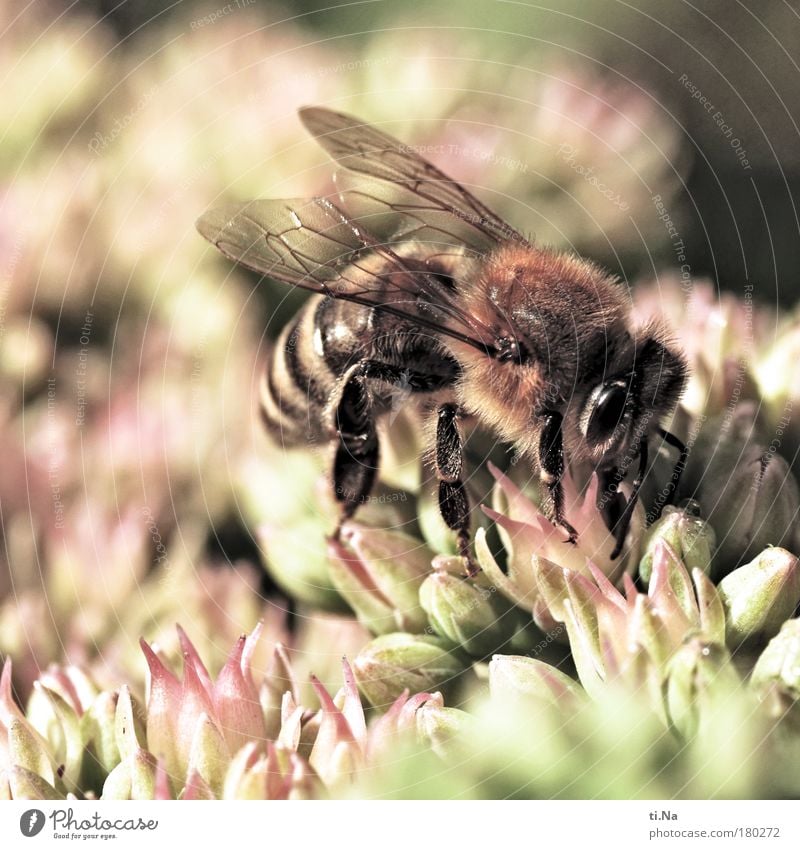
x: 65, y: 736
x: 700, y: 678
x: 396, y: 662
x: 468, y: 613
x: 780, y: 660
x: 760, y: 596
x: 440, y: 727
x: 209, y: 756
x: 25, y: 784
x: 129, y: 730
x: 530, y: 682
x: 293, y: 532
x: 296, y: 556
x: 289, y: 776
x: 143, y: 776
x: 98, y: 728
x: 28, y: 750
x: 692, y: 539
x: 379, y: 574
x: 776, y: 676
x: 278, y: 681
x: 751, y: 495
x: 118, y: 783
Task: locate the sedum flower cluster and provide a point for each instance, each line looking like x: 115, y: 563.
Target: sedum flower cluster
x: 132, y: 461
x: 231, y: 736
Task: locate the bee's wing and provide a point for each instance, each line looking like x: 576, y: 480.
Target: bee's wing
x: 312, y: 244
x: 398, y: 191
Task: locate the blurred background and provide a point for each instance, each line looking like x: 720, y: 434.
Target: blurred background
x: 658, y: 138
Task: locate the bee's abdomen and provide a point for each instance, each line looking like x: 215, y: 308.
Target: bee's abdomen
x: 296, y: 384
x: 308, y: 358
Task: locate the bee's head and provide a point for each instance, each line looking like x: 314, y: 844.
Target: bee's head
x: 624, y: 406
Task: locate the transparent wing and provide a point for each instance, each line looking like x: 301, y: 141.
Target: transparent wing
x: 312, y: 244
x: 397, y: 191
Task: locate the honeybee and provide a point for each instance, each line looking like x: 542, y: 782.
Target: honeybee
x: 419, y: 285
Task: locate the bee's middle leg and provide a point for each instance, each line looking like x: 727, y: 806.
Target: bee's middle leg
x: 453, y: 498
x: 551, y: 465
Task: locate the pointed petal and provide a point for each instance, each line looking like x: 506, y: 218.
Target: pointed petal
x: 238, y: 708
x: 552, y: 583
x: 353, y: 710
x: 585, y: 653
x: 196, y: 702
x: 712, y: 611
x: 25, y: 784
x: 520, y: 507
x: 26, y: 749
x: 189, y: 651
x: 8, y: 707
x: 197, y: 789
x: 163, y: 707
x: 606, y: 587
x: 162, y: 788
x: 209, y: 755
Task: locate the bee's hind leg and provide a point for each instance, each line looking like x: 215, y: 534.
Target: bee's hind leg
x: 355, y: 464
x: 551, y: 469
x: 453, y: 498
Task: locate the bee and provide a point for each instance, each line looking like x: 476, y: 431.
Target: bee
x: 419, y: 285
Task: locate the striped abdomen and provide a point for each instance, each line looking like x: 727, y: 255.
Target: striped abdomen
x: 309, y: 356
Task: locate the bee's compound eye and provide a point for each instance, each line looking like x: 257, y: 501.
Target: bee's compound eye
x: 605, y: 410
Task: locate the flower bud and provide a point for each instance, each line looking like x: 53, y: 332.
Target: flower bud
x: 209, y: 755
x: 692, y: 539
x: 527, y: 681
x: 239, y: 714
x: 98, y: 728
x: 134, y: 778
x: 396, y: 662
x: 278, y: 681
x: 27, y: 749
x: 441, y: 727
x: 700, y: 678
x: 296, y: 556
x: 468, y: 613
x: 780, y: 660
x: 776, y: 676
x: 246, y: 775
x: 527, y: 532
x: 196, y: 789
x: 25, y: 784
x: 379, y: 574
x: 65, y: 736
x: 128, y: 725
x: 143, y: 776
x: 751, y: 496
x: 760, y: 596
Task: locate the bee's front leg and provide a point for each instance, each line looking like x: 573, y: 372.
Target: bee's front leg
x: 453, y: 498
x: 551, y: 468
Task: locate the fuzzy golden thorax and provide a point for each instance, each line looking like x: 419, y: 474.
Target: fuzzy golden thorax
x: 566, y: 326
